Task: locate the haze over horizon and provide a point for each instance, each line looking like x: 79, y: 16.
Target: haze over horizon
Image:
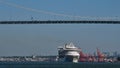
x: 43, y: 39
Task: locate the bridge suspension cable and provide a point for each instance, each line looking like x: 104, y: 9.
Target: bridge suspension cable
x: 62, y: 15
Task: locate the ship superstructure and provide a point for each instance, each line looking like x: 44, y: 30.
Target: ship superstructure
x: 68, y: 53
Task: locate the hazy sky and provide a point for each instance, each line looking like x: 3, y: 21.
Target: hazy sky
x: 43, y: 39
x: 46, y: 9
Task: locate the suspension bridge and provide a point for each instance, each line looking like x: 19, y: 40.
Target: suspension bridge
x: 58, y: 18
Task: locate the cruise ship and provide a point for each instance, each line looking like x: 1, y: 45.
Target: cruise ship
x: 68, y: 53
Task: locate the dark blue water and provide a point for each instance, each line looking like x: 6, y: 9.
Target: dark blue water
x: 57, y: 65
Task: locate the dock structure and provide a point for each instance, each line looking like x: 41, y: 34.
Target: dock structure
x: 61, y: 22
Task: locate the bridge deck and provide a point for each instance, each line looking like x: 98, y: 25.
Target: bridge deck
x: 59, y: 22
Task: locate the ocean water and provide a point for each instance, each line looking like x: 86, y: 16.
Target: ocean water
x: 57, y: 65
